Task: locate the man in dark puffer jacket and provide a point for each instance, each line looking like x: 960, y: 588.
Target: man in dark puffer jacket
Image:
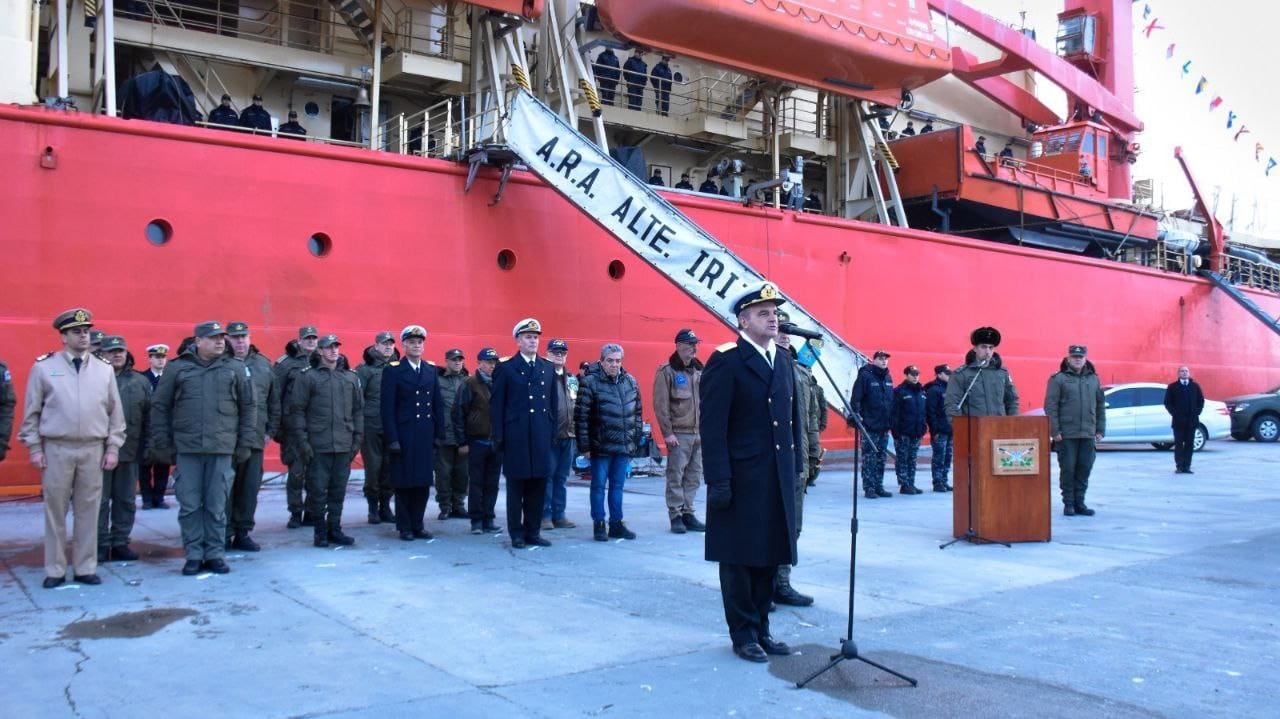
x: 872, y: 401
x: 608, y: 424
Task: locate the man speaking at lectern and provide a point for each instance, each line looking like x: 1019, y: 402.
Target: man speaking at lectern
x: 983, y: 382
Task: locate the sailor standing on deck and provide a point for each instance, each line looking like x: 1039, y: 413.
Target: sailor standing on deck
x: 73, y: 428
x: 523, y: 412
x: 750, y: 429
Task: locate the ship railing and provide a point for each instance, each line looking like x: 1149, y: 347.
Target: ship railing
x: 278, y: 134
x: 1247, y: 273
x: 433, y: 132
x: 433, y: 32
x: 1053, y: 174
x: 1171, y: 259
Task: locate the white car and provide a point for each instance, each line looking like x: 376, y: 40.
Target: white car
x: 1136, y: 413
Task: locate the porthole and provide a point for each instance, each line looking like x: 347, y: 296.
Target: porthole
x: 617, y: 269
x: 312, y: 109
x: 319, y: 244
x: 159, y: 232
x: 506, y: 260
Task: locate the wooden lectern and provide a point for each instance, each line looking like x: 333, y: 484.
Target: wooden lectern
x: 1010, y: 485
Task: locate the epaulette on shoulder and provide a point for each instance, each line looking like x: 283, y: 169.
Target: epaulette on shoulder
x: 44, y: 356
x: 504, y: 359
x: 103, y: 360
x: 726, y: 346
x: 429, y: 362
x: 306, y: 369
x: 394, y: 364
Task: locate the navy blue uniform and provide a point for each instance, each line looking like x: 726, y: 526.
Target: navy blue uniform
x: 750, y: 426
x: 634, y: 73
x: 410, y: 416
x: 607, y: 74
x: 153, y: 479
x: 255, y: 118
x: 661, y: 80
x: 908, y: 427
x: 523, y: 411
x: 223, y: 116
x: 293, y: 131
x: 872, y: 400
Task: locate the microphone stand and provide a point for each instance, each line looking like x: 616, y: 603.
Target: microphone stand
x: 970, y: 535
x: 848, y: 648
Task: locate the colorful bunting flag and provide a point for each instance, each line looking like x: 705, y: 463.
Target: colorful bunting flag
x: 1186, y: 68
x: 1231, y: 117
x: 1153, y: 26
x: 1213, y: 104
x: 1200, y: 86
x: 1168, y: 54
x: 1271, y: 162
x: 1242, y: 131
x: 1146, y: 11
x: 1257, y: 151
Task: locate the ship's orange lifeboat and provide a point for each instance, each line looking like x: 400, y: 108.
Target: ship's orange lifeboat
x: 872, y: 49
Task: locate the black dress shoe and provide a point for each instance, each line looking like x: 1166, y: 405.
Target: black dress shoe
x: 537, y: 542
x: 778, y: 649
x: 90, y: 579
x: 53, y: 582
x: 517, y: 544
x: 191, y: 568
x: 406, y: 536
x: 295, y: 520
x: 1068, y: 510
x: 752, y: 652
x: 217, y: 566
x: 692, y: 524
x: 422, y: 534
x: 124, y: 554
x: 336, y: 536
x: 459, y: 514
x: 245, y: 543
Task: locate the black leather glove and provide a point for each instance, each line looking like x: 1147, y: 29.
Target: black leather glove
x: 719, y: 496
x: 358, y: 441
x: 497, y: 445
x: 305, y: 452
x: 393, y: 447
x: 242, y: 455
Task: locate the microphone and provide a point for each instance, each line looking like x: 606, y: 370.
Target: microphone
x: 790, y: 329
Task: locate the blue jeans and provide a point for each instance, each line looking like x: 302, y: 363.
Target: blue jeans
x: 561, y: 462
x: 611, y: 468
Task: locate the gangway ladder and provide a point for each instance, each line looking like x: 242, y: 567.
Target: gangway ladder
x: 629, y: 209
x: 873, y: 150
x: 1243, y: 299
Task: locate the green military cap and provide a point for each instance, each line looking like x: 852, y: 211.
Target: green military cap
x: 78, y: 317
x: 756, y: 294
x: 454, y: 354
x: 1077, y: 351
x: 95, y: 337
x: 307, y: 331
x: 783, y: 316
x: 330, y: 341
x: 113, y: 342
x: 237, y: 329
x: 384, y: 336
x: 212, y: 328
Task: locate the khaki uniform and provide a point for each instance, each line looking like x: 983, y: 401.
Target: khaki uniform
x: 677, y: 408
x: 72, y: 417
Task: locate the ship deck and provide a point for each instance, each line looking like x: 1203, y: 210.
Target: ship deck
x: 1161, y: 605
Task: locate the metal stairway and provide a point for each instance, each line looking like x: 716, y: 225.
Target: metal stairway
x: 651, y: 227
x: 358, y: 15
x: 1243, y: 300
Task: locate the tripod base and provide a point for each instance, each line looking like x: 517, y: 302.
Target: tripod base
x: 973, y: 537
x: 849, y: 650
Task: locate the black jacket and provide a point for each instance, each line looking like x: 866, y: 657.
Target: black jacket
x: 1184, y: 403
x: 909, y: 410
x: 935, y: 408
x: 872, y: 398
x: 607, y: 417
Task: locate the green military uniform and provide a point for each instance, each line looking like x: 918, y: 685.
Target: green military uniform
x: 8, y: 402
x: 992, y: 393
x: 377, y: 467
x: 818, y: 415
x: 203, y: 412
x: 119, y: 486
x: 1077, y: 411
x: 248, y: 474
x: 324, y: 419
x: 810, y: 417
x: 451, y: 469
x: 287, y: 369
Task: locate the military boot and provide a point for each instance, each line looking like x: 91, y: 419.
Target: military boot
x: 618, y: 530
x: 337, y: 537
x: 321, y: 535
x: 384, y: 510
x: 598, y: 532
x: 309, y: 520
x: 374, y: 517
x: 295, y: 520
x: 786, y: 594
x: 244, y: 542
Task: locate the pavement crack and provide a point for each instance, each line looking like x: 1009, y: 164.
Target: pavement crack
x: 84, y: 657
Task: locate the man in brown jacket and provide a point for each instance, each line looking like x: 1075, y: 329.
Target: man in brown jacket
x: 324, y: 419
x: 73, y: 427
x: 676, y: 405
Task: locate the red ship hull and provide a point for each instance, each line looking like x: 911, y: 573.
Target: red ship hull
x: 409, y: 246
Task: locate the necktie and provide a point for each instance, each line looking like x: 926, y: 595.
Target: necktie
x: 768, y: 356
x: 76, y: 361
x: 1184, y: 383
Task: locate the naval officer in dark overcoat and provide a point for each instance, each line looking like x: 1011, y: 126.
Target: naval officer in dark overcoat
x: 523, y: 411
x: 750, y: 426
x: 411, y: 422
